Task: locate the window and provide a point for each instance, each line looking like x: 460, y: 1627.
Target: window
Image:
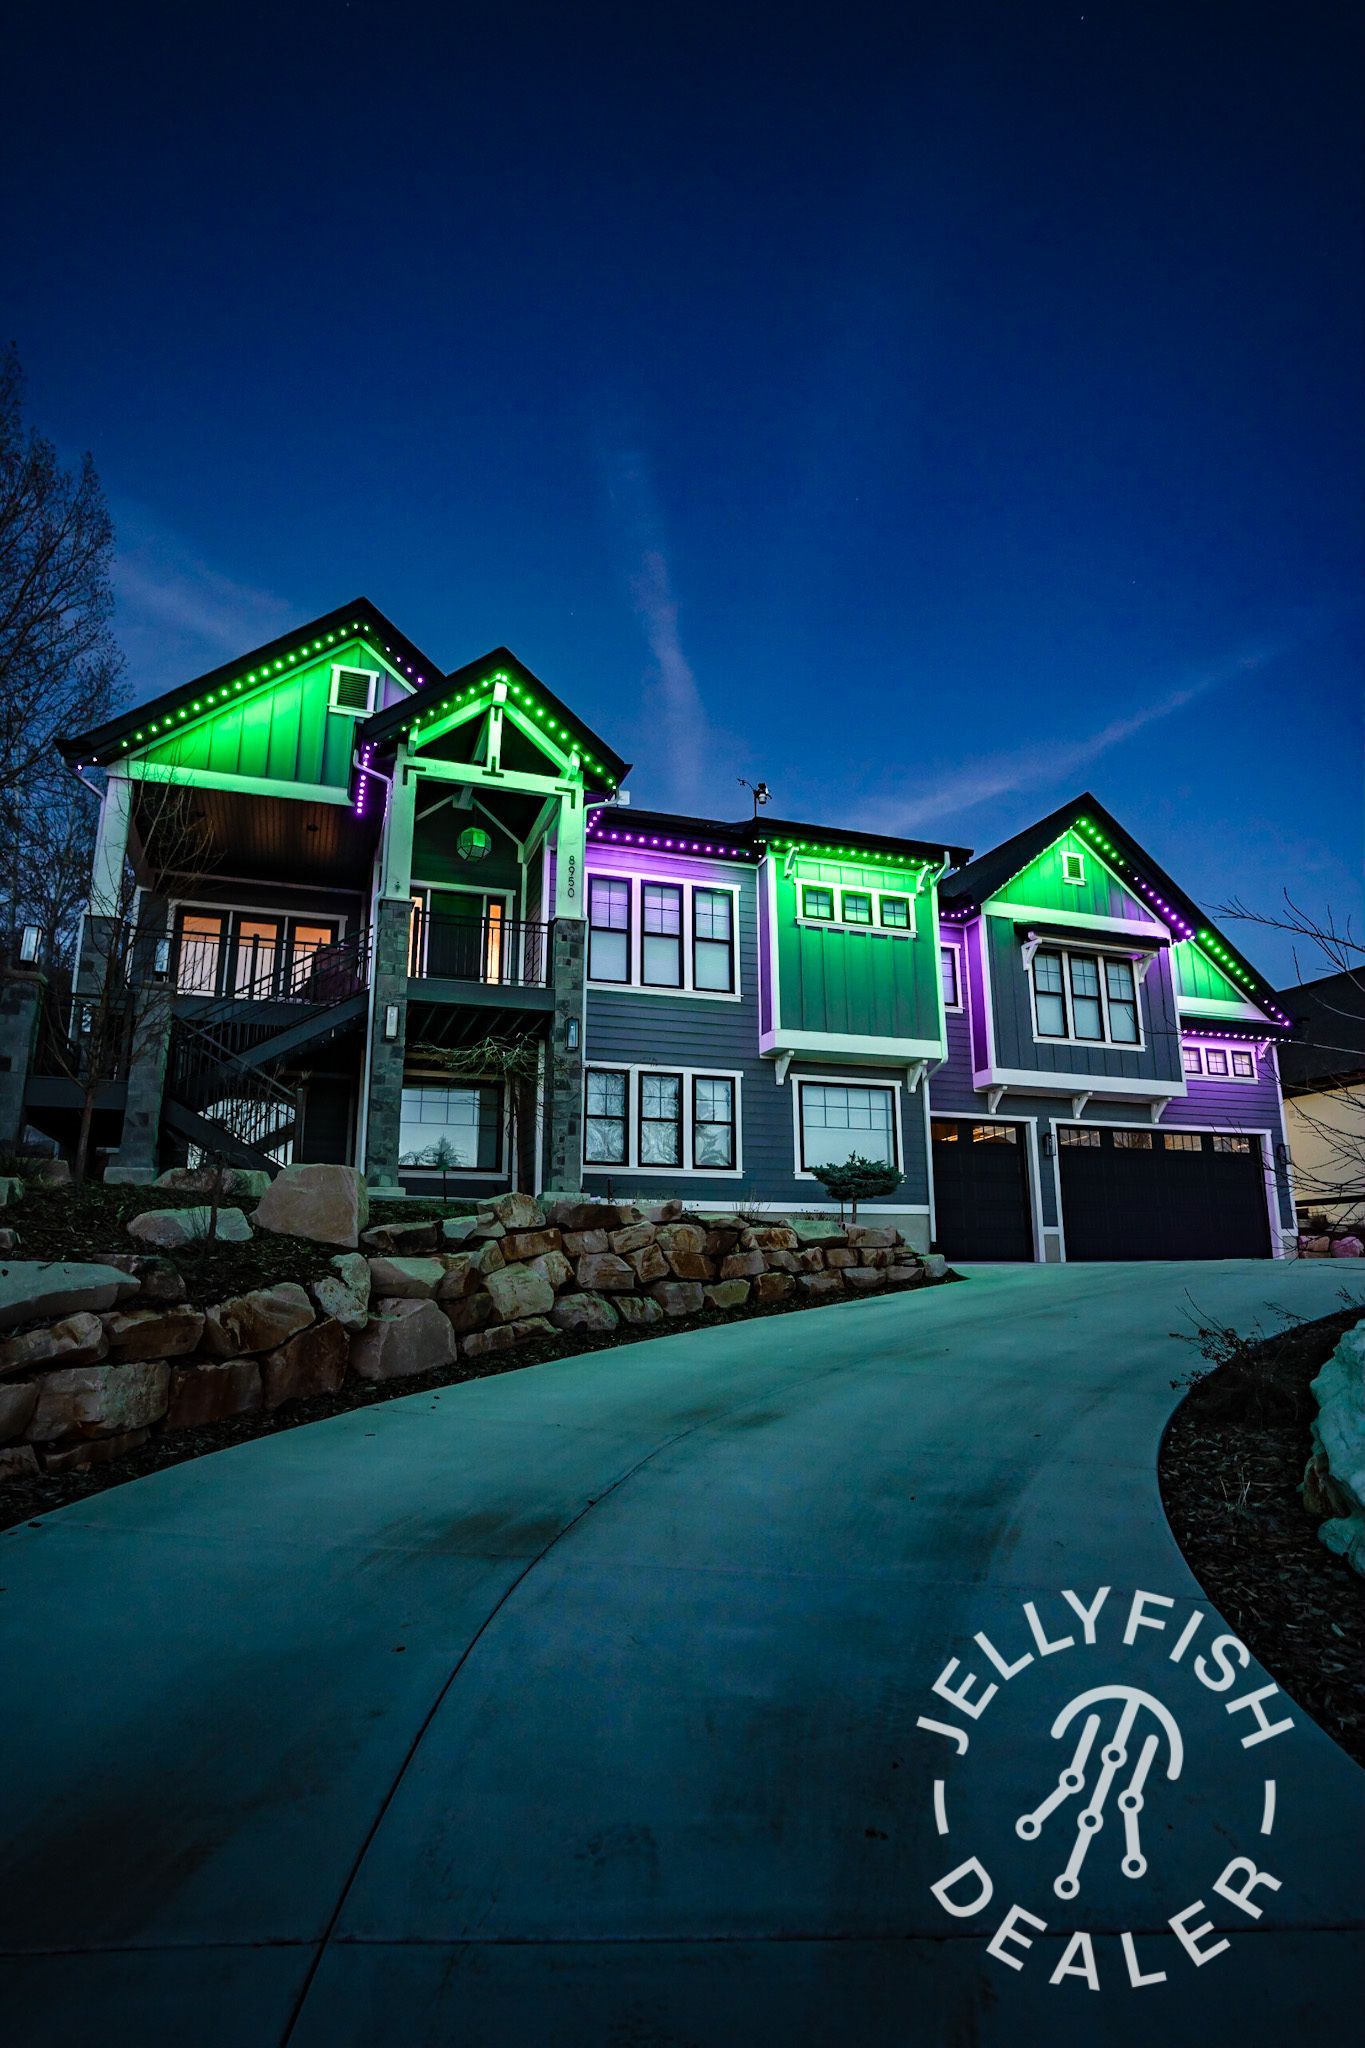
x: 1220, y: 1061
x: 838, y: 1120
x: 256, y: 956
x: 1194, y: 1060
x: 995, y: 1134
x: 608, y: 929
x: 1071, y: 1134
x: 895, y: 913
x: 950, y: 973
x: 199, y: 954
x: 1132, y: 1141
x: 1244, y: 1066
x: 661, y: 934
x: 1087, y: 1016
x: 1182, y: 1141
x: 1121, y: 990
x: 857, y: 907
x: 713, y: 1121
x: 458, y: 1126
x: 1215, y: 1060
x: 713, y: 950
x: 818, y: 904
x: 1073, y: 869
x: 604, y: 1127
x: 661, y: 1119
x: 1225, y: 1142
x: 1049, y: 1001
x: 353, y: 691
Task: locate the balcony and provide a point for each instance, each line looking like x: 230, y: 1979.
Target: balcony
x: 473, y: 975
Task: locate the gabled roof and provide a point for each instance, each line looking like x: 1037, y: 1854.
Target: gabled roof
x: 605, y: 766
x: 671, y: 831
x: 107, y: 741
x: 984, y: 877
x: 1328, y: 1046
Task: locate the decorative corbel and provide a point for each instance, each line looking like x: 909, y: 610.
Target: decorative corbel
x: 780, y: 1066
x: 1158, y: 1108
x: 914, y: 1074
x: 1078, y: 1103
x: 994, y: 1098
x: 1031, y: 945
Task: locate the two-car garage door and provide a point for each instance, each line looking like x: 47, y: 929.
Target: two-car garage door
x: 1139, y: 1194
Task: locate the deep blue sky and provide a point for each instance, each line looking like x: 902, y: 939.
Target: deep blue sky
x: 934, y: 410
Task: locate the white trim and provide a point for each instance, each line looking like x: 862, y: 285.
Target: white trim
x: 1076, y: 881
x: 1211, y: 1008
x: 1084, y: 920
x: 631, y: 1164
x: 687, y: 885
x: 850, y: 1045
x: 352, y: 668
x: 836, y: 891
x: 1031, y: 1081
x: 892, y: 1088
x: 769, y: 886
x: 929, y: 1165
x: 1230, y: 1052
x: 1067, y: 954
x: 247, y: 785
x: 959, y: 1008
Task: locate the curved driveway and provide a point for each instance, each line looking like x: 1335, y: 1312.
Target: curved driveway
x: 578, y: 1706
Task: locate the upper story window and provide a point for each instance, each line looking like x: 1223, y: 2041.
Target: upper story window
x: 1073, y: 869
x: 1085, y: 997
x: 895, y: 911
x: 1220, y: 1063
x: 353, y: 691
x: 608, y: 929
x: 659, y: 936
x: 857, y: 909
x: 818, y: 904
x: 950, y: 970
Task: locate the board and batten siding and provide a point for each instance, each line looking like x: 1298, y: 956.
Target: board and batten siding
x: 1158, y: 1059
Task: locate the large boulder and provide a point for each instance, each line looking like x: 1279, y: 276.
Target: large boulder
x: 586, y: 1315
x: 649, y: 1263
x: 879, y: 1234
x: 934, y: 1264
x: 407, y: 1337
x: 1336, y: 1475
x: 344, y: 1293
x: 577, y: 1243
x: 519, y: 1212
x: 154, y: 1332
x: 554, y: 1267
x: 743, y: 1266
x: 518, y: 1292
x: 769, y: 1237
x: 31, y: 1289
x: 1347, y: 1248
x: 17, y: 1403
x: 170, y: 1229
x: 727, y: 1294
x: 506, y: 1337
x: 403, y: 1240
x: 631, y: 1238
x: 201, y: 1180
x: 816, y: 1232
x: 770, y: 1287
x: 99, y: 1400
x: 95, y: 1450
x: 259, y: 1321
x: 679, y: 1297
x: 157, y: 1278
x: 455, y: 1231
x: 18, y: 1461
x: 212, y: 1391
x: 817, y: 1286
x: 520, y: 1245
x: 469, y: 1312
x: 76, y: 1340
x: 310, y: 1364
x: 604, y: 1273
x: 864, y: 1279
x: 579, y: 1214
x: 638, y: 1311
x: 326, y: 1204
x: 406, y: 1279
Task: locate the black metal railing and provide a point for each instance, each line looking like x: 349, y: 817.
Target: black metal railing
x: 259, y: 972
x: 245, y: 1102
x: 85, y: 1039
x: 505, y: 951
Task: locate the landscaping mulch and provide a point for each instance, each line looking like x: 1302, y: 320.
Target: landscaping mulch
x: 1230, y: 1467
x: 25, y: 1500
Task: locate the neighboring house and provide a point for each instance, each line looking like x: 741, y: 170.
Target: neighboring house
x: 1061, y: 1056
x: 1322, y: 1069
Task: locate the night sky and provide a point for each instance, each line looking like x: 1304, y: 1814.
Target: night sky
x: 933, y: 410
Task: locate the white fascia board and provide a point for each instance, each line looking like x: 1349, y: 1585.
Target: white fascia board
x: 246, y: 785
x: 1083, y: 920
x: 1210, y: 1009
x: 1029, y: 1082
x: 484, y: 778
x: 822, y: 1045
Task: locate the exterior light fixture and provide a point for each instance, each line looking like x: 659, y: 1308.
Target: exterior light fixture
x: 161, y: 959
x: 571, y: 1036
x: 390, y: 1023
x: 474, y: 843
x: 30, y: 945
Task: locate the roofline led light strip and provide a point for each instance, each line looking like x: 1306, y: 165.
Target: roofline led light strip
x: 529, y: 703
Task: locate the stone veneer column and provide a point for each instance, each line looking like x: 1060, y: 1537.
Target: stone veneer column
x: 564, y: 1081
x: 135, y: 1161
x: 387, y: 1055
x: 21, y: 1007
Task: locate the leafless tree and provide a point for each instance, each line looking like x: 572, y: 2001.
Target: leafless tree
x: 58, y: 659
x: 515, y: 1063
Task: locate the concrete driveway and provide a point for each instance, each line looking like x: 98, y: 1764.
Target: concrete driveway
x: 582, y: 1705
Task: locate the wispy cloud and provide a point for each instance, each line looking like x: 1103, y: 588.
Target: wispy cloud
x: 176, y: 615
x: 676, y: 709
x: 987, y: 776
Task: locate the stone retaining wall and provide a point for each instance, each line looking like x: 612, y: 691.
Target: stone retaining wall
x: 89, y: 1387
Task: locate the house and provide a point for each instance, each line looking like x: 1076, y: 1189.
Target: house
x: 361, y: 879
x: 1322, y: 1070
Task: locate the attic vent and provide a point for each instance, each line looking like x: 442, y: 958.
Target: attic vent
x: 353, y: 691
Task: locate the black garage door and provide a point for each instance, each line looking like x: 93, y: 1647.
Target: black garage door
x: 1162, y: 1194
x: 981, y: 1206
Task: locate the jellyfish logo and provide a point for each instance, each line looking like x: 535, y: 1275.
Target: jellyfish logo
x: 1113, y: 1757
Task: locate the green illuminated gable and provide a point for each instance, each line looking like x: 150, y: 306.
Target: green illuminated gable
x: 1197, y: 977
x: 270, y: 724
x: 1042, y: 885
x: 857, y: 982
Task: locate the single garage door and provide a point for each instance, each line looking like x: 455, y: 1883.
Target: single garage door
x: 1162, y: 1194
x: 981, y: 1204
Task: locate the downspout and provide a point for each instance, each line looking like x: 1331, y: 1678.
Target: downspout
x: 363, y: 1119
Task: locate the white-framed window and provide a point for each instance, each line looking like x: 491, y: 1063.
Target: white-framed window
x: 661, y: 1120
x: 353, y: 690
x: 1087, y: 998
x: 856, y: 909
x: 950, y: 970
x: 450, y: 1126
x: 837, y: 1118
x: 1073, y: 869
x: 1221, y: 1062
x: 664, y: 937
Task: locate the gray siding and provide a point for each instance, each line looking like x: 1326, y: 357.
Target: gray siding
x: 1012, y: 1016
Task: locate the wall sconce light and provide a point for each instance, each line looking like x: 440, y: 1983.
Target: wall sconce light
x: 390, y: 1023
x: 1049, y: 1144
x: 571, y: 1036
x: 30, y: 945
x: 161, y: 959
x: 1282, y: 1155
